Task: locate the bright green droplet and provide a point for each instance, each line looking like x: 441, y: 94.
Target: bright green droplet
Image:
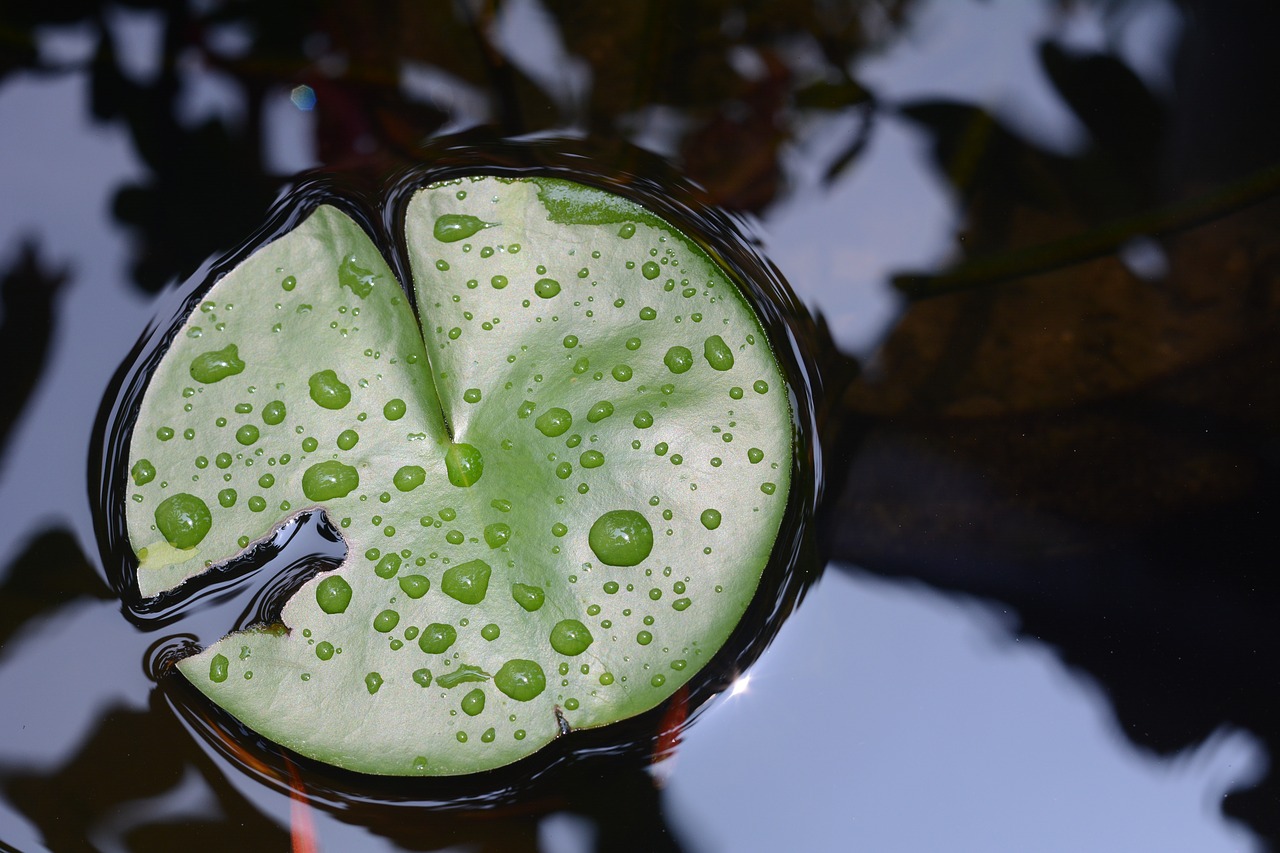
x: 247, y: 434
x: 464, y: 465
x: 324, y: 650
x: 564, y: 470
x: 388, y: 566
x: 329, y: 479
x: 386, y: 621
x: 642, y: 420
x: 768, y: 488
x: 309, y: 444
x: 644, y: 638
x: 600, y: 411
x: 227, y: 498
x: 355, y: 277
x: 489, y: 735
x: 621, y: 372
x: 373, y: 681
x: 273, y: 413
x: 328, y: 391
x: 452, y: 227
x: 348, y: 439
x: 215, y: 365
x: 289, y: 283
x: 755, y: 454
x: 554, y: 422
x: 546, y: 287
x: 422, y: 677
x: 223, y: 460
x: 522, y: 680
x: 473, y: 702
x: 409, y: 477
x: 527, y: 596
x: 394, y: 409
x: 183, y: 520
x: 467, y: 582
x: 760, y: 386
x: 678, y: 359
x: 436, y: 638
x: 591, y: 459
x: 626, y: 232
x: 491, y: 632
x: 143, y: 472
x: 333, y: 594
x: 218, y: 669
x: 648, y: 313
x: 621, y: 537
x: 650, y: 270
x: 164, y: 433
x: 710, y: 519
x: 415, y: 586
x: 497, y: 534
x: 498, y: 282
x: 570, y: 637
x: 717, y: 353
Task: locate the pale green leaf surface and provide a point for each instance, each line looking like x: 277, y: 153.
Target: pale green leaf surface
x: 629, y: 289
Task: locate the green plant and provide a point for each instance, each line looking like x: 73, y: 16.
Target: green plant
x: 558, y: 494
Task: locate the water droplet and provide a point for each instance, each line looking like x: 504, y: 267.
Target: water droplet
x: 388, y: 566
x: 223, y: 460
x: 309, y: 444
x: 710, y: 519
x: 678, y: 359
x: 658, y: 680
x: 183, y: 520
x: 642, y: 420
x: 761, y: 386
x: 386, y: 621
x: 650, y: 270
x: 464, y: 465
x: 644, y: 638
x: 626, y: 232
x: 373, y: 681
x: 546, y: 287
x: 471, y: 395
x: 717, y: 353
x: 768, y: 488
x: 348, y: 439
x: 394, y: 409
x: 333, y: 594
x: 216, y: 365
x: 526, y: 409
x: 554, y: 422
x: 528, y: 597
x: 564, y: 470
x: 422, y: 677
x: 497, y: 534
x: 437, y: 638
x: 452, y: 227
x: 324, y: 650
x: 164, y: 433
x: 473, y: 703
x: 570, y: 637
x: 227, y: 498
x: 522, y: 680
x: 621, y: 372
x: 621, y: 537
x: 355, y: 277
x: 680, y: 604
x: 273, y: 413
x: 755, y: 454
x: 247, y: 434
x: 415, y: 586
x: 409, y: 477
x: 218, y: 669
x: 328, y: 391
x: 648, y: 313
x: 328, y: 480
x: 143, y: 472
x: 468, y: 582
x: 490, y: 632
x: 591, y: 459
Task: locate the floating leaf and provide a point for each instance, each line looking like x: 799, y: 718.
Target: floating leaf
x: 557, y: 497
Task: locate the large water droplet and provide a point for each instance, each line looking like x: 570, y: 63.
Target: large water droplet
x: 473, y: 702
x: 328, y: 480
x: 328, y: 391
x: 409, y: 477
x: 554, y: 422
x: 218, y: 669
x: 143, y: 472
x: 355, y: 277
x: 522, y: 680
x: 678, y: 359
x: 621, y: 537
x: 437, y: 638
x: 216, y: 365
x: 464, y: 465
x: 468, y: 582
x: 452, y: 227
x: 527, y: 596
x: 333, y: 594
x: 570, y: 637
x: 183, y: 520
x: 717, y: 353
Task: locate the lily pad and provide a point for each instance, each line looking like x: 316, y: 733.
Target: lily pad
x: 558, y: 493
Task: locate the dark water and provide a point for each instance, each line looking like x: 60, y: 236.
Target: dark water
x: 1048, y: 478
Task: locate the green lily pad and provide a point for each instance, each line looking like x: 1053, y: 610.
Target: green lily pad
x: 558, y: 494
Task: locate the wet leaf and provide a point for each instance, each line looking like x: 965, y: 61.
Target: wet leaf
x: 558, y: 497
